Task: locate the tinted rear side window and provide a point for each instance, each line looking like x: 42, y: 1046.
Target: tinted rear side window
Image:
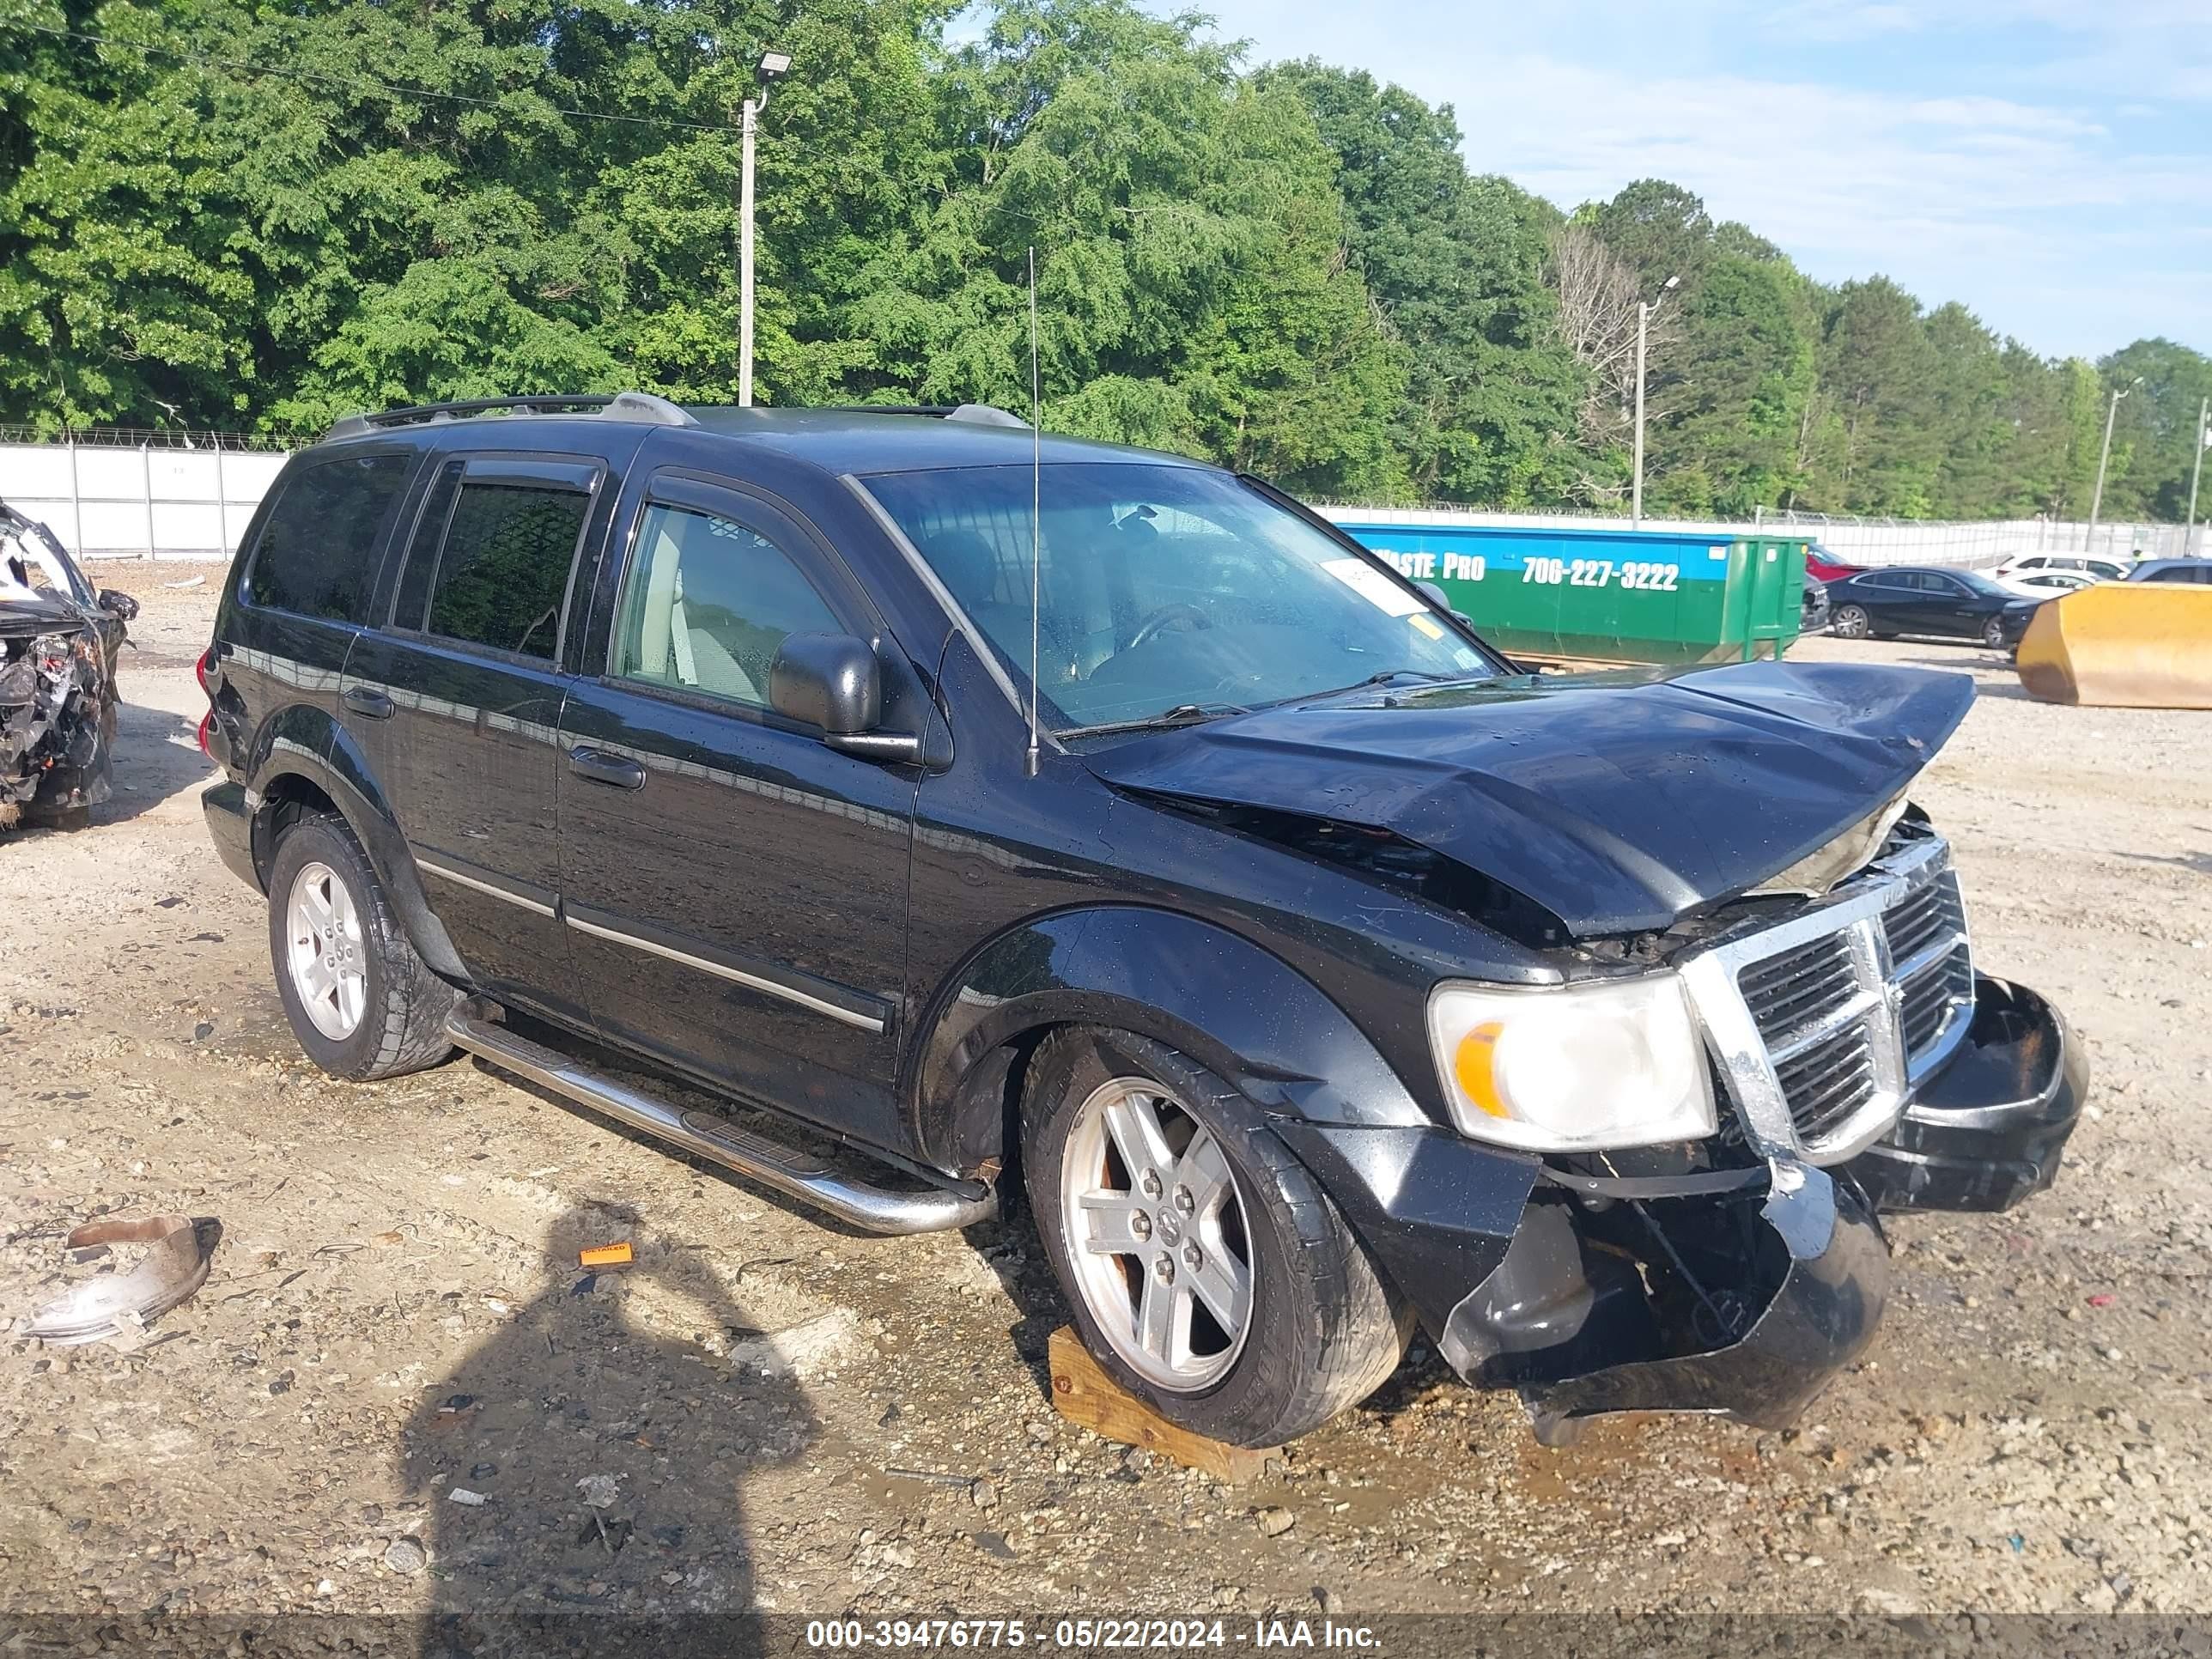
x: 423, y: 557
x: 317, y: 554
x: 506, y: 566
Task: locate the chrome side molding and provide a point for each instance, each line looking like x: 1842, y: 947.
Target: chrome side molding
x: 873, y: 1209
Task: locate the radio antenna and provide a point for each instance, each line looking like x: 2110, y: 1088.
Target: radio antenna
x: 1036, y: 510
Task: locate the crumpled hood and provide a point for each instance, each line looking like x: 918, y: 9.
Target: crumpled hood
x: 1618, y: 801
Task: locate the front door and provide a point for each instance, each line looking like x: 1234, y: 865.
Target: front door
x: 735, y: 892
x: 1952, y: 607
x: 457, y: 707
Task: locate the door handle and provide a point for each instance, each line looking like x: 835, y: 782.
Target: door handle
x: 368, y: 704
x: 602, y: 767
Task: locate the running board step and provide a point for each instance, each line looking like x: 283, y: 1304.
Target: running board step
x: 798, y: 1174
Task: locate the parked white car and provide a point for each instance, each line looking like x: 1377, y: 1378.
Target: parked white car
x: 2103, y: 569
x: 2046, y: 584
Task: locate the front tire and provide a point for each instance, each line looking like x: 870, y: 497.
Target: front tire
x: 1210, y: 1274
x: 1850, y: 622
x: 1993, y: 635
x: 363, y: 1005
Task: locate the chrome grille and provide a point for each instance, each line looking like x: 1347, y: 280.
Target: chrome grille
x: 1823, y: 1023
x: 1936, y: 1008
x: 1799, y: 985
x: 1828, y: 1083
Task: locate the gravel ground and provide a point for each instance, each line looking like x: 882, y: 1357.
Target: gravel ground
x: 768, y: 1412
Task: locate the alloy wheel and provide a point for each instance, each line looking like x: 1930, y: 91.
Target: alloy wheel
x: 325, y: 952
x: 1156, y: 1230
x: 1851, y: 622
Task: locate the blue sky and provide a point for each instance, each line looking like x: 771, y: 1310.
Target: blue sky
x: 2047, y: 162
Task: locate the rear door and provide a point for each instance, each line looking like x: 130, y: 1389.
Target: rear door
x: 305, y: 588
x: 1884, y: 598
x: 735, y: 891
x: 456, y: 703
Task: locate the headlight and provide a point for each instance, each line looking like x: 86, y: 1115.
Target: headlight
x: 1574, y: 1069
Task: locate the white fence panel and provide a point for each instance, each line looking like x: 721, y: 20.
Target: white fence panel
x: 107, y: 501
x: 128, y: 500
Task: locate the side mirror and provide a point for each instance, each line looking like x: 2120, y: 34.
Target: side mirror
x: 828, y: 680
x: 834, y: 682
x: 118, y: 604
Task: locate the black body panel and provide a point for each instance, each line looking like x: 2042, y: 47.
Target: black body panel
x: 874, y: 944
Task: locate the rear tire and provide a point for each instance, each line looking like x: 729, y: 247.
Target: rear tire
x: 1320, y: 1331
x: 388, y: 1018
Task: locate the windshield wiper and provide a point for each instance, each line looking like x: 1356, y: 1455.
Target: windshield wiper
x: 1183, y: 714
x: 1382, y: 678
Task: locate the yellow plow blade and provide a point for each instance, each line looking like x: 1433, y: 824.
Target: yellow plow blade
x: 2122, y: 645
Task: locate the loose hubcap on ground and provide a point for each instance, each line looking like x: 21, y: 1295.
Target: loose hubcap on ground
x: 1157, y: 1234
x: 329, y: 968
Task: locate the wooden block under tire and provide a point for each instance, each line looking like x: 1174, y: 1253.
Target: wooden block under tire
x: 1090, y: 1399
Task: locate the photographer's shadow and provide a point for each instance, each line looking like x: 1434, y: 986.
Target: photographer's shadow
x: 611, y: 1461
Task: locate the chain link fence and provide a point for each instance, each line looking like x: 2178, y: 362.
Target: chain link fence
x: 168, y: 492
x: 1970, y: 544
x: 117, y: 493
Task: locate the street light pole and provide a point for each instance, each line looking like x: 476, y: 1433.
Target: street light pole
x: 1643, y: 314
x: 2196, y: 471
x: 2104, y: 456
x: 746, y: 258
x: 772, y: 65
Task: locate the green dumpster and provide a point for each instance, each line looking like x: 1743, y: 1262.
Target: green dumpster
x: 1609, y: 594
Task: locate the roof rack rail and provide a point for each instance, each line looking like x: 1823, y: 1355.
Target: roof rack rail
x: 977, y: 414
x: 988, y: 414
x: 640, y: 406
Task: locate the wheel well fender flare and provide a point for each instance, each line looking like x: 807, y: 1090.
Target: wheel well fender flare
x: 300, y: 753
x: 1229, y: 1004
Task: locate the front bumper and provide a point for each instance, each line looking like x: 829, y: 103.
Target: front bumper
x: 1987, y: 1130
x: 1735, y: 1293
x: 1740, y: 1306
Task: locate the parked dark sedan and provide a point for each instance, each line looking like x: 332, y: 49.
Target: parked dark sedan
x: 2172, y: 570
x: 1944, y: 604
x: 1813, y: 610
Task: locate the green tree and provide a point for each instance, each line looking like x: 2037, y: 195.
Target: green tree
x: 1743, y: 372
x: 1457, y: 266
x: 1193, y: 287
x: 2154, y: 431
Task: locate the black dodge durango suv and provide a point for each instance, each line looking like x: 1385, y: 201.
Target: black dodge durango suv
x: 1008, y: 813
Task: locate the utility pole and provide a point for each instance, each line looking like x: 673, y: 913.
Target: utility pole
x: 1643, y: 314
x: 772, y: 65
x: 2104, y: 456
x: 2196, y: 471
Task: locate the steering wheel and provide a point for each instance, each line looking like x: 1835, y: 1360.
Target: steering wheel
x: 1166, y: 615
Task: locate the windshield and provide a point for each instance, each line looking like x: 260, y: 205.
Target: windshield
x: 1982, y: 584
x: 32, y: 566
x: 1165, y: 591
